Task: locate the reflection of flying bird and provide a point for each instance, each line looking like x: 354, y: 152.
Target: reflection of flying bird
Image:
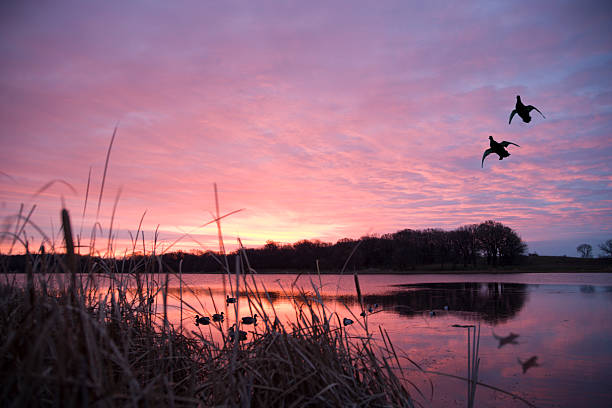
x: 523, y: 111
x: 532, y: 362
x: 497, y: 148
x: 509, y: 339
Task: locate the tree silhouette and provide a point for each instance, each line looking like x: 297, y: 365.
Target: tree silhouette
x: 606, y: 248
x: 585, y: 250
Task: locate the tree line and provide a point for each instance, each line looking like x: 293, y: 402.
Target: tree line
x: 469, y: 246
x: 489, y: 243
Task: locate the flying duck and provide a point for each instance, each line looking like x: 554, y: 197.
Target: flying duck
x: 205, y: 320
x: 498, y: 148
x: 523, y: 111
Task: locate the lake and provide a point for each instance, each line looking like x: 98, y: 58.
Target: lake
x: 564, y: 320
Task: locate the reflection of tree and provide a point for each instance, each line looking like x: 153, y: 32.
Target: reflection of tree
x: 587, y: 289
x: 492, y: 302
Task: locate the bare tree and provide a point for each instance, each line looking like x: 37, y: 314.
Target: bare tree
x: 585, y: 250
x: 606, y: 248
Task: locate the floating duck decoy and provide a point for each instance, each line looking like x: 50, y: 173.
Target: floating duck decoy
x: 523, y: 111
x: 218, y: 317
x: 497, y: 148
x: 242, y: 335
x: 532, y: 362
x: 229, y: 300
x: 277, y: 323
x: 205, y: 320
x: 347, y: 321
x: 250, y: 320
x: 509, y: 339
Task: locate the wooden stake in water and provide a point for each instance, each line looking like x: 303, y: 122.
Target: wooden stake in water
x: 358, y: 288
x: 70, y: 258
x: 181, y: 292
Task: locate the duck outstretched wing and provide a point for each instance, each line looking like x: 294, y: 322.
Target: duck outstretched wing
x: 486, y: 153
x: 506, y: 144
x: 531, y: 107
x: 511, y: 116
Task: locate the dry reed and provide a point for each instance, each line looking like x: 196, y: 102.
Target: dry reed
x: 105, y: 340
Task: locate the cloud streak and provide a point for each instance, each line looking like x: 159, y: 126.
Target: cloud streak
x: 323, y: 123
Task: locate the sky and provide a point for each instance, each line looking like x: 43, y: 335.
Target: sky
x: 321, y: 120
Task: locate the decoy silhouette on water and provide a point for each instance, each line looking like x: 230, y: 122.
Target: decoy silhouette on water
x: 532, y: 362
x: 249, y: 319
x: 242, y: 335
x: 370, y: 309
x: 523, y: 111
x: 497, y: 148
x: 229, y: 300
x: 218, y: 317
x: 205, y: 320
x: 509, y: 339
x: 347, y: 321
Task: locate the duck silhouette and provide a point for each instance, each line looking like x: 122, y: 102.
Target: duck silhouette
x: 229, y: 299
x: 523, y: 111
x: 509, y: 339
x: 532, y: 362
x: 250, y: 320
x: 347, y: 321
x: 205, y: 320
x: 497, y: 148
x: 217, y: 317
x: 242, y: 335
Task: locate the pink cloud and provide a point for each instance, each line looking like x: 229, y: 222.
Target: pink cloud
x: 321, y: 125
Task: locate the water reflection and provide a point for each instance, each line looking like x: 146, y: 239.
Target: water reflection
x: 563, y: 320
x: 493, y: 303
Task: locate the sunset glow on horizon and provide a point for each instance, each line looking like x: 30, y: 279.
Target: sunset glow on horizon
x: 322, y: 120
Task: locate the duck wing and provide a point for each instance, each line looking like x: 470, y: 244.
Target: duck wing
x: 486, y: 153
x: 511, y: 116
x: 531, y: 107
x: 506, y: 144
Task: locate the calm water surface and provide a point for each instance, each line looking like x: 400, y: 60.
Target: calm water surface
x: 565, y: 320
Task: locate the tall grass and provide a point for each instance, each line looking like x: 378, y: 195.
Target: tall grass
x: 102, y: 337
